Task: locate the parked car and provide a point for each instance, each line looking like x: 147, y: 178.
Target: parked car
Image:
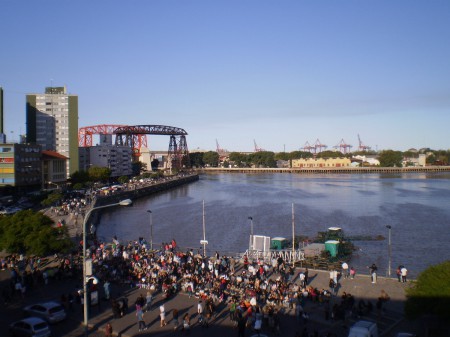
x: 363, y: 329
x: 52, y: 312
x: 30, y: 327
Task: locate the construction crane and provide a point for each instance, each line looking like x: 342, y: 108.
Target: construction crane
x: 308, y: 148
x: 219, y: 150
x: 361, y: 146
x: 318, y: 146
x: 343, y: 146
x: 257, y: 149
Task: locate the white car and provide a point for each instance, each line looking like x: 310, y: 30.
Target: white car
x: 30, y: 327
x: 52, y: 312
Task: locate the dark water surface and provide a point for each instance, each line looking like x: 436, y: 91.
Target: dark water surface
x: 416, y: 205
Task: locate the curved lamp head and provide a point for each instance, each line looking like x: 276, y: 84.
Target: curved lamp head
x: 388, y: 226
x: 126, y: 202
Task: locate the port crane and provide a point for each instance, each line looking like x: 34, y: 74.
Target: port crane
x: 361, y: 146
x: 318, y: 146
x: 343, y: 146
x: 257, y: 149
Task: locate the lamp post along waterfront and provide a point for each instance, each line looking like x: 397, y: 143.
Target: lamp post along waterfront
x: 151, y: 229
x: 125, y: 202
x: 389, y: 227
x: 251, y: 233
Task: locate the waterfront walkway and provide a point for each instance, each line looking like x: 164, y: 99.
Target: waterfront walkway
x: 361, y: 288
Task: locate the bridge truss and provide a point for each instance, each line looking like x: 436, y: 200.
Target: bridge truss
x: 178, y: 154
x: 136, y: 138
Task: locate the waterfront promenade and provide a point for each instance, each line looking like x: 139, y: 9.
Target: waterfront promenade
x: 389, y: 322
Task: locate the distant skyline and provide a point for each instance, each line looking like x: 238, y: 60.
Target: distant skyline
x: 278, y: 72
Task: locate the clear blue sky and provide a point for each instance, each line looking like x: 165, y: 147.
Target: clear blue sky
x: 280, y: 72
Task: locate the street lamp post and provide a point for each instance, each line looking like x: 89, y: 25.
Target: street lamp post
x: 251, y: 232
x: 389, y: 250
x: 125, y: 202
x: 151, y: 229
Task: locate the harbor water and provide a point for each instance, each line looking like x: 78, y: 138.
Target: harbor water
x: 415, y: 205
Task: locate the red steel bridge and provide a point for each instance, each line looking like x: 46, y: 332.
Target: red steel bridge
x: 136, y: 138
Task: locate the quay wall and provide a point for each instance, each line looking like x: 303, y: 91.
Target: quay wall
x: 144, y: 191
x: 327, y: 170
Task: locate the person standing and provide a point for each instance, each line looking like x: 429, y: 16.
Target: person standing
x: 140, y: 317
x: 148, y: 301
x: 352, y: 272
x: 108, y: 330
x: 345, y: 269
x: 373, y: 272
x: 107, y: 288
x: 404, y: 273
x: 200, y: 312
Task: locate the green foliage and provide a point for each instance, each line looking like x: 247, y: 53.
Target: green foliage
x: 211, y: 158
x: 263, y: 159
x: 330, y: 154
x: 78, y: 186
x: 138, y: 167
x: 430, y: 294
x: 123, y: 179
x: 154, y: 164
x: 79, y: 177
x: 52, y: 199
x: 282, y: 156
x: 32, y: 233
x: 196, y: 159
x: 390, y: 158
x: 300, y: 155
x: 99, y: 173
x: 239, y: 159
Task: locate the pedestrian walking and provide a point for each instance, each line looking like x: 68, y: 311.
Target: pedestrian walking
x: 162, y: 315
x: 187, y: 323
x: 352, y: 272
x: 175, y: 319
x: 148, y: 301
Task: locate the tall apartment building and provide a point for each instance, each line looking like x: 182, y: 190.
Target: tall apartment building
x: 52, y: 122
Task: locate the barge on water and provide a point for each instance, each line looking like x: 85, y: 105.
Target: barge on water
x: 325, y: 251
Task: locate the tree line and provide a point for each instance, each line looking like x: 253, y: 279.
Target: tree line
x: 268, y: 159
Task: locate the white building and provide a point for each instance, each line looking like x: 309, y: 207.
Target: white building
x: 52, y: 123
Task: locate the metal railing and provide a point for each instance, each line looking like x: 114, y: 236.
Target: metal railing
x: 287, y: 255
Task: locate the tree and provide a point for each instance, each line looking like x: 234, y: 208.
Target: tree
x: 30, y: 232
x: 239, y: 159
x: 154, y: 164
x: 330, y: 154
x: 99, y: 173
x: 300, y: 155
x: 123, y: 179
x: 138, y: 167
x: 79, y: 177
x: 52, y: 199
x: 390, y: 158
x: 430, y: 293
x: 263, y: 159
x: 211, y: 158
x: 196, y: 159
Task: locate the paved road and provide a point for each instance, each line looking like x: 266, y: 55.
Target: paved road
x: 360, y: 287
